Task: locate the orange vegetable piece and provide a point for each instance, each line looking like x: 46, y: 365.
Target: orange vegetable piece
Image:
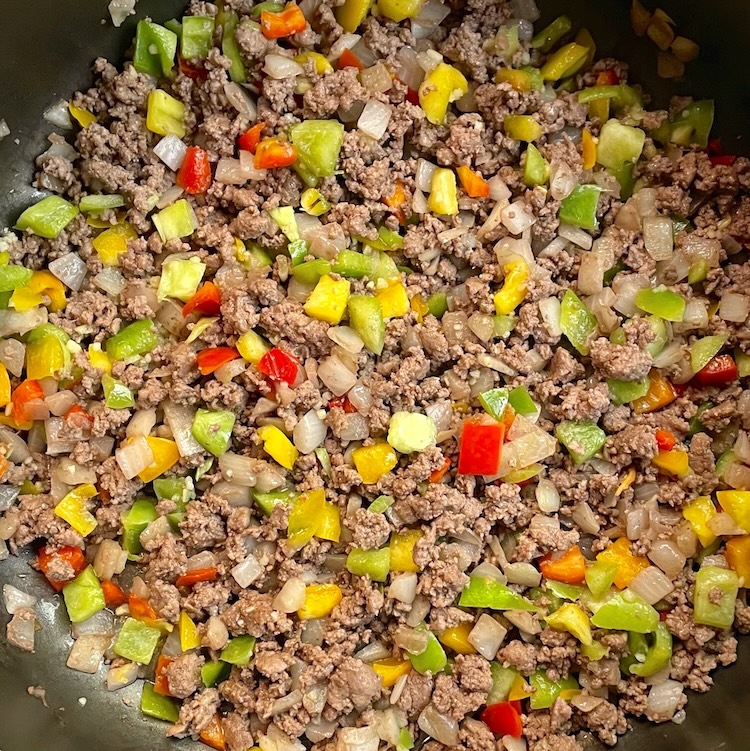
x: 569, y: 568
x: 161, y: 683
x: 473, y: 183
x: 738, y: 557
x: 629, y: 565
x: 113, y: 594
x: 349, y: 60
x: 140, y: 609
x: 69, y: 554
x: 26, y: 392
x: 660, y: 393
x: 197, y: 575
x: 272, y: 153
x: 213, y: 734
x: 206, y: 300
x: 289, y: 21
x: 438, y: 474
x: 213, y: 358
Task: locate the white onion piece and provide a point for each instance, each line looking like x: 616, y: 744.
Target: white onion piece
x: 429, y: 59
x: 409, y: 71
x: 734, y: 307
x: 376, y: 78
x: 100, y: 624
x: 336, y: 376
x: 357, y: 739
x: 241, y: 100
x: 171, y: 150
x: 591, y: 274
x: 360, y: 398
x: 276, y: 739
x: 280, y: 67
x: 309, y: 432
x: 551, y: 310
x: 240, y: 470
x: 562, y: 181
x: 576, y: 235
x: 344, y: 42
x: 13, y: 322
x: 585, y: 518
x: 155, y: 531
x: 110, y: 559
x: 526, y: 445
x: 738, y: 476
x: 486, y: 570
x: 487, y: 636
x: 13, y: 355
x: 741, y: 446
x: 87, y: 653
x: 119, y: 10
x: 8, y: 496
x: 347, y: 338
x: 424, y: 173
x: 141, y: 423
x: 291, y: 597
x: 403, y: 587
x: 525, y: 9
x: 499, y: 190
x: 59, y: 115
x: 4, y: 129
x: 55, y: 445
x: 696, y: 314
x: 547, y: 496
x: 658, y: 237
x: 235, y: 495
x: 134, y: 457
x: 652, y: 585
x: 180, y: 422
x: 110, y: 280
x: 247, y: 571
x: 122, y: 676
x: 374, y: 119
x: 522, y: 573
x: 15, y: 599
x: 626, y: 287
x: 442, y: 728
x: 667, y: 556
x: 517, y: 217
x: 664, y: 699
x: 169, y: 196
x: 70, y: 269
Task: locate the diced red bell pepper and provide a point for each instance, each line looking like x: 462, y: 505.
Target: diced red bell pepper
x: 206, y: 300
x: 113, y: 594
x: 715, y: 147
x: 481, y: 446
x: 272, y: 153
x: 248, y: 141
x: 412, y: 97
x: 69, y: 554
x: 140, y: 609
x: 26, y: 392
x: 195, y: 173
x: 213, y: 358
x: 192, y: 71
x: 289, y: 21
x: 473, y: 183
x: 438, y: 474
x: 503, y: 719
x: 213, y: 734
x: 348, y: 59
x: 161, y: 683
x: 342, y: 402
x: 726, y: 160
x: 280, y: 366
x: 607, y: 78
x: 569, y: 568
x: 665, y: 440
x: 197, y: 575
x: 720, y: 371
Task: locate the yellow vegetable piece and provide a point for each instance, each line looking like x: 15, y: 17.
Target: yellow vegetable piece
x: 441, y: 86
x: 737, y: 504
x: 305, y: 517
x: 252, y: 346
x: 514, y: 287
x: 629, y: 565
x: 83, y: 117
x: 419, y: 306
x: 738, y: 557
x: 327, y: 302
x: 443, y: 193
x: 200, y: 327
x: 572, y: 619
x: 46, y: 358
x: 43, y: 286
x: 351, y: 14
x: 599, y: 110
x: 72, y: 508
x: 627, y: 481
x: 520, y: 80
x: 391, y: 669
x: 399, y: 10
x: 588, y: 144
x: 699, y: 512
x: 674, y: 462
x: 189, y: 636
x: 329, y: 527
x: 25, y: 298
x: 320, y: 600
x: 319, y: 61
x: 522, y: 128
x: 4, y: 386
x: 113, y: 242
x: 402, y: 550
x: 166, y: 455
x: 520, y: 690
x: 393, y: 299
x: 372, y: 462
x: 457, y: 639
x: 165, y: 114
x: 278, y: 446
x: 565, y: 62
x: 99, y: 359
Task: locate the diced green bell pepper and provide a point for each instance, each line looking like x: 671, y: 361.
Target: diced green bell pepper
x: 696, y: 426
x: 136, y: 641
x: 661, y: 335
x: 535, y: 167
x: 297, y: 250
x: 550, y: 35
x: 494, y: 402
x: 579, y: 208
x: 405, y: 740
x: 691, y: 126
x: 621, y: 95
x: 546, y: 691
x: 709, y: 581
x: 373, y: 563
x: 137, y: 338
x: 116, y: 394
x: 158, y: 706
x: 572, y: 592
x: 134, y: 521
x: 504, y: 325
x: 658, y: 655
x: 310, y: 272
x: 437, y: 304
x: 624, y: 392
x: 381, y: 504
x: 12, y: 277
x: 433, y: 659
x: 625, y: 611
x: 502, y: 681
x: 83, y: 596
x: 619, y: 145
x: 228, y: 20
x: 177, y: 220
x: 174, y: 26
x: 482, y: 592
x: 600, y: 576
x: 254, y: 257
x: 385, y: 267
x: 97, y: 203
x: 174, y: 489
x: 215, y: 672
x: 239, y: 651
x: 155, y: 48
x: 743, y: 363
x: 266, y: 7
x: 318, y: 143
x: 353, y: 265
x: 521, y: 401
x: 197, y: 37
x: 577, y: 322
x: 267, y: 502
x: 703, y: 350
x: 698, y: 271
x: 594, y: 651
x: 661, y: 302
x: 583, y: 439
x: 366, y: 318
x: 213, y: 429
x: 48, y: 217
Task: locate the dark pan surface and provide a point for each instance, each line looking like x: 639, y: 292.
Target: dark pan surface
x: 48, y: 47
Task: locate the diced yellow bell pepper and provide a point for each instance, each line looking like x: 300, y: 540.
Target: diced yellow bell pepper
x: 72, y: 508
x: 278, y: 446
x: 627, y: 481
x: 4, y: 386
x: 99, y: 359
x: 320, y: 600
x: 565, y: 62
x: 252, y: 346
x: 402, y: 550
x: 520, y: 80
x: 572, y: 619
x: 166, y: 455
x: 419, y: 306
x: 443, y: 198
x: 351, y: 14
x: 83, y: 117
x: 629, y: 565
x: 737, y: 504
x: 441, y: 86
x: 391, y: 669
x: 327, y: 302
x: 584, y: 38
x: 43, y: 285
x: 514, y: 287
x: 674, y: 462
x: 46, y: 358
x: 189, y: 636
x: 520, y: 690
x: 522, y: 128
x: 200, y: 327
x: 457, y: 639
x: 320, y: 62
x: 660, y: 393
x: 699, y: 512
x: 393, y: 299
x: 165, y: 114
x: 372, y: 462
x: 738, y: 557
x: 305, y: 517
x: 588, y: 144
x: 329, y: 527
x: 113, y: 242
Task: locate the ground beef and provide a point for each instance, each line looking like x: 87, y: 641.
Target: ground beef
x: 184, y: 674
x: 353, y: 685
x: 626, y: 362
x: 465, y: 690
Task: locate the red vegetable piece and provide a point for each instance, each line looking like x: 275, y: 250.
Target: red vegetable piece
x: 161, y: 683
x: 279, y: 366
x: 192, y: 71
x: 195, y: 173
x: 213, y: 358
x: 26, y: 392
x: 607, y: 78
x: 272, y: 153
x: 206, y: 300
x: 78, y: 417
x: 665, y: 440
x: 412, y: 97
x: 481, y: 445
x: 438, y: 474
x: 348, y: 59
x: 726, y: 160
x: 720, y: 371
x: 113, y: 594
x: 68, y: 555
x: 197, y: 575
x: 248, y: 141
x: 503, y: 719
x: 342, y: 402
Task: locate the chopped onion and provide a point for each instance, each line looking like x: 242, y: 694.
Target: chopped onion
x: 100, y: 624
x: 234, y: 494
x: 499, y: 190
x: 141, y: 423
x: 344, y: 42
x: 357, y: 739
x: 119, y: 10
x: 419, y: 610
x: 171, y: 150
x: 626, y: 287
x: 325, y: 240
x: 576, y: 235
x: 487, y: 635
x: 441, y: 413
x: 55, y: 445
x: 409, y: 71
x: 591, y: 274
x: 13, y: 355
x: 246, y: 572
x: 658, y: 237
x: 169, y: 196
x: 15, y: 599
x: 59, y: 115
x: 585, y: 518
x: 429, y: 59
x: 376, y: 78
x: 734, y: 307
x: 110, y: 280
x: 347, y: 338
x: 517, y: 217
x: 134, y: 457
x: 281, y: 67
x: 309, y: 432
x: 527, y: 444
x: 403, y: 587
x: 486, y: 570
x: 8, y: 496
x: 696, y: 314
x: 110, y: 559
x: 14, y: 322
x: 737, y: 476
x: 651, y: 584
x: 741, y: 447
x: 482, y: 326
x: 525, y: 9
x: 336, y: 376
x: 522, y: 573
x: 4, y: 129
x: 70, y: 269
x: 124, y: 675
x: 562, y: 180
x: 276, y: 739
x: 291, y: 597
x: 664, y: 699
x: 374, y: 651
x: 180, y: 421
x: 155, y: 531
x: 360, y: 398
x: 87, y: 653
x: 240, y: 470
x: 424, y: 173
x: 241, y: 100
x: 442, y: 728
x: 269, y: 479
x: 17, y: 450
x: 547, y: 497
x: 667, y: 556
x: 374, y: 119
x: 356, y: 428
x: 550, y: 310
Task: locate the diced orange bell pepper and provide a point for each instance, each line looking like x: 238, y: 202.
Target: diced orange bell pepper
x: 397, y: 201
x: 140, y: 609
x: 69, y: 554
x: 4, y: 466
x: 419, y: 306
x: 272, y: 153
x: 213, y: 734
x: 473, y: 183
x: 629, y: 565
x: 113, y: 594
x: 197, y: 575
x: 166, y: 455
x: 289, y: 21
x: 457, y: 639
x: 349, y: 60
x: 673, y: 462
x: 26, y: 392
x: 569, y: 568
x: 161, y: 684
x: 665, y: 440
x: 738, y: 557
x: 213, y: 358
x: 588, y: 145
x: 206, y: 300
x: 438, y: 474
x: 660, y: 393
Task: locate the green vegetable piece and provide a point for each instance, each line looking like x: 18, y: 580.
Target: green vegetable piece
x: 388, y: 239
x: 136, y: 641
x: 571, y: 592
x: 743, y: 363
x: 155, y: 48
x: 213, y: 429
x: 661, y: 335
x: 410, y: 432
x: 239, y: 650
x: 48, y: 217
x: 693, y: 125
x: 583, y: 438
x: 83, y: 596
x: 45, y: 330
x: 116, y: 394
x: 197, y: 37
x: 661, y: 302
x: 215, y: 672
x: 373, y: 563
x: 703, y: 350
x: 546, y: 691
x: 544, y: 598
x: 696, y: 426
x: 97, y: 203
x: 637, y: 648
x: 625, y: 611
x: 385, y: 267
x: 723, y: 463
x: 611, y: 273
x: 12, y: 277
x: 504, y: 325
x: 595, y: 651
x: 577, y: 322
x: 134, y: 521
x: 709, y: 581
x: 698, y: 271
x: 619, y: 145
x: 353, y: 265
x: 381, y: 504
x: 433, y: 659
x: 177, y: 220
x: 658, y: 655
x: 174, y: 489
x: 481, y: 592
x: 405, y: 741
x: 325, y: 460
x: 494, y: 402
x: 297, y: 250
x: 284, y: 216
x: 266, y: 7
x: 137, y: 338
x: 366, y: 318
x: 437, y: 304
x: 521, y: 401
x: 174, y: 26
x: 254, y: 257
x: 579, y: 208
x: 180, y: 278
x: 600, y: 575
x: 621, y: 95
x: 318, y: 143
x: 157, y: 706
x: 266, y: 502
x: 550, y: 35
x: 623, y: 392
x: 502, y: 681
x: 535, y: 167
x: 310, y: 272
x: 228, y: 20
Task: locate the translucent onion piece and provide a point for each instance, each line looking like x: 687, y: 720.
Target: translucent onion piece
x: 487, y: 636
x: 134, y: 457
x: 241, y: 100
x: 171, y: 150
x: 15, y: 599
x: 309, y: 432
x: 247, y: 571
x: 374, y: 119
